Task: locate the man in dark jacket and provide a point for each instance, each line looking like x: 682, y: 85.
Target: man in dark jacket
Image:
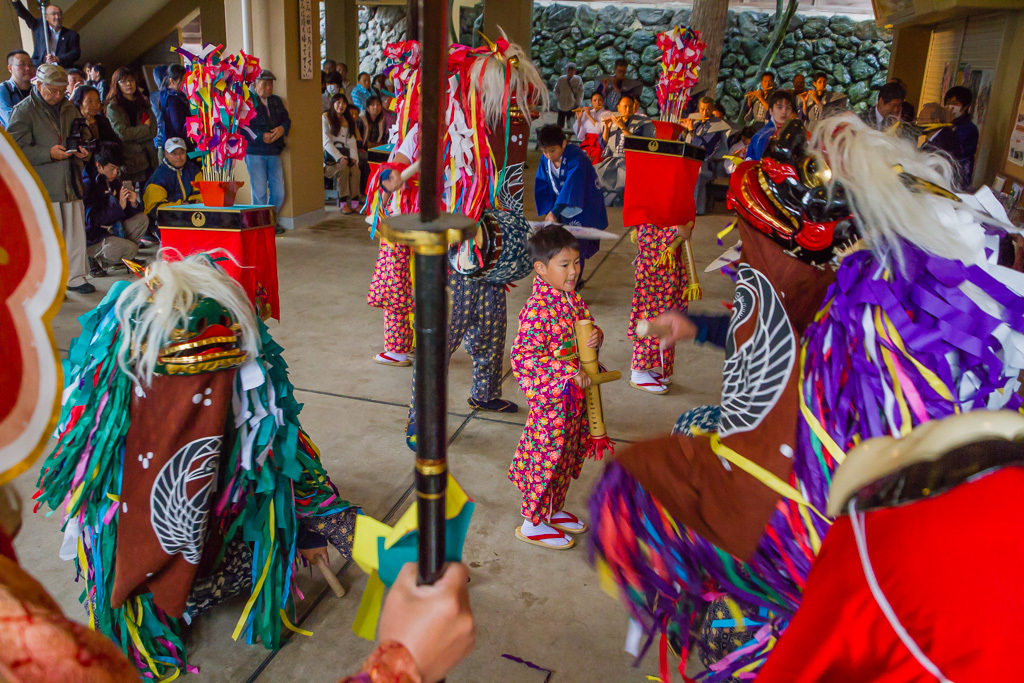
x: 263, y: 156
x: 958, y: 102
x: 114, y: 219
x: 54, y: 44
x: 41, y: 126
x: 173, y: 181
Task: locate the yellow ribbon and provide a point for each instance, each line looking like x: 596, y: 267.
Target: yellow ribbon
x: 837, y: 453
x: 84, y: 566
x: 933, y: 380
x: 726, y: 231
x: 292, y: 627
x: 737, y: 615
x: 605, y: 580
x: 259, y: 584
x: 891, y: 367
x: 761, y: 474
x: 133, y: 632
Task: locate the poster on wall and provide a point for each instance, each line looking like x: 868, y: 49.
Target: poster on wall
x: 1016, y: 153
x: 981, y: 86
x: 947, y: 78
x: 306, y: 58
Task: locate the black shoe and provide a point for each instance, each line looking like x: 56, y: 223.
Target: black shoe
x: 279, y: 230
x: 96, y: 270
x: 87, y: 288
x: 495, y: 405
x: 148, y: 241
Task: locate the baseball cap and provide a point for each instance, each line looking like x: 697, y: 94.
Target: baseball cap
x: 173, y: 144
x: 50, y: 74
x: 266, y: 75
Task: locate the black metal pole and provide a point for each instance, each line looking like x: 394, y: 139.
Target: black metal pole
x: 433, y: 20
x: 431, y: 319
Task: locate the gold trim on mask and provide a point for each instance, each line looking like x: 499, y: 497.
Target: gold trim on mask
x: 210, y: 366
x: 186, y: 360
x: 763, y: 182
x: 184, y: 346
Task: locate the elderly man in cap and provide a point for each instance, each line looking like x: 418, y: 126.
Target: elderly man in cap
x: 42, y: 125
x: 174, y: 180
x: 263, y: 157
x: 54, y: 44
x: 568, y: 94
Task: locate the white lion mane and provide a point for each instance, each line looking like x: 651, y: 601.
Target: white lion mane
x: 147, y: 317
x: 864, y: 161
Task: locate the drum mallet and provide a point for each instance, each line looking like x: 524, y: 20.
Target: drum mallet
x: 330, y: 577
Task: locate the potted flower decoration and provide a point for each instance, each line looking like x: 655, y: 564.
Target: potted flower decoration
x: 221, y: 104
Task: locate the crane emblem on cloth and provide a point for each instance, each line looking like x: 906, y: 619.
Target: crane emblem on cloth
x: 179, y: 503
x: 754, y: 380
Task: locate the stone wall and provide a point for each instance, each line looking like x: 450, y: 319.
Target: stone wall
x: 854, y: 54
x: 379, y: 26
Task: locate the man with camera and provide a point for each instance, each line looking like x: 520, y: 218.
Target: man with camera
x: 115, y: 220
x: 46, y: 127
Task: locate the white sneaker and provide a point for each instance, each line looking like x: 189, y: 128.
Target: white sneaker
x: 645, y: 381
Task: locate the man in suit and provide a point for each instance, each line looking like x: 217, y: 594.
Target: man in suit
x: 886, y: 112
x: 54, y: 44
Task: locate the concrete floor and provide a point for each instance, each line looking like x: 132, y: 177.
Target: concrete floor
x: 541, y: 606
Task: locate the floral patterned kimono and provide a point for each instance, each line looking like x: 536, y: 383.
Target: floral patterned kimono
x: 391, y: 289
x: 660, y: 284
x: 556, y: 438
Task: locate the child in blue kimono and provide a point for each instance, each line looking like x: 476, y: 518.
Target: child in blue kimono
x: 566, y: 188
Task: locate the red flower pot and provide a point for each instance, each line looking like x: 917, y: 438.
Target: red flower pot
x: 667, y: 130
x: 219, y: 192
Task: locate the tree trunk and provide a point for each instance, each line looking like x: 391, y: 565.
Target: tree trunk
x: 709, y: 17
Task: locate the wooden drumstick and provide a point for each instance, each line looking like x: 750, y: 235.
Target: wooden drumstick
x: 330, y: 577
x: 589, y: 365
x: 649, y: 328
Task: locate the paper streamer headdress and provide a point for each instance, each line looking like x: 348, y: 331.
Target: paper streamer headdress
x: 681, y: 50
x: 381, y: 551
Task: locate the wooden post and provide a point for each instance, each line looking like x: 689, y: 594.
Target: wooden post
x: 710, y: 18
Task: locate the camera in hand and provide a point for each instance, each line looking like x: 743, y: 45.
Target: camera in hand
x: 74, y: 140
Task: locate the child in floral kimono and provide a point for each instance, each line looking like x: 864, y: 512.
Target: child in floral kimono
x: 546, y: 364
x: 660, y: 284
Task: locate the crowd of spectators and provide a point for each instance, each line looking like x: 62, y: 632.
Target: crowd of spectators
x: 145, y: 134
x: 612, y: 112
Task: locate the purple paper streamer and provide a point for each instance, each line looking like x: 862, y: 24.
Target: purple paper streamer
x: 518, y: 660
